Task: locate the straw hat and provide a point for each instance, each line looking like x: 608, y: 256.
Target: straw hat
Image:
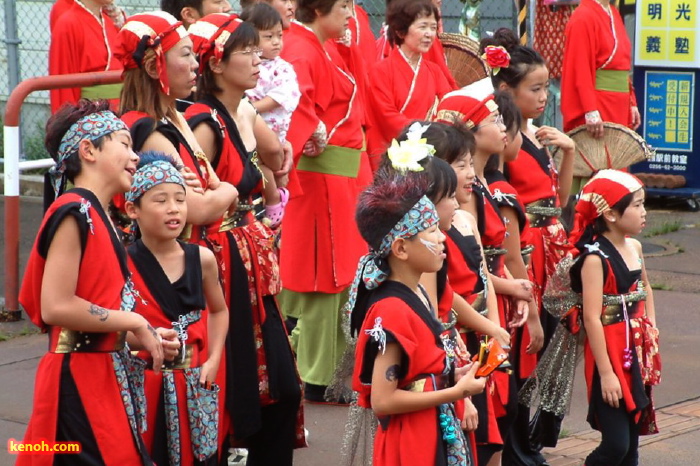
x: 463, y: 58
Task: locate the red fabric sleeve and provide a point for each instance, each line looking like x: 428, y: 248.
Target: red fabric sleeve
x: 66, y: 45
x: 578, y: 73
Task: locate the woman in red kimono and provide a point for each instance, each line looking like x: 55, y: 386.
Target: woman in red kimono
x: 404, y: 87
x: 263, y: 393
x: 404, y: 370
x: 621, y: 346
x: 321, y: 243
x: 541, y: 187
x: 77, y: 288
x: 82, y: 40
x: 595, y: 83
x: 178, y: 288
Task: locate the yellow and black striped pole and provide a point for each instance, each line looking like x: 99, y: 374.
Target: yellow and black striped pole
x: 522, y: 21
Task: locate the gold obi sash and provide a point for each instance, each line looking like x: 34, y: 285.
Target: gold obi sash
x: 526, y: 252
x: 334, y: 160
x: 185, y: 359
x: 494, y: 258
x: 241, y: 216
x: 612, y: 80
x: 479, y: 305
x: 72, y: 341
x: 441, y: 381
x: 542, y: 213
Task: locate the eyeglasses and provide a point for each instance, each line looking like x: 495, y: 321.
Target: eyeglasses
x: 498, y: 120
x: 249, y: 51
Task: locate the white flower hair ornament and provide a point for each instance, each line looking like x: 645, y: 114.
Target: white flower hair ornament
x: 404, y: 156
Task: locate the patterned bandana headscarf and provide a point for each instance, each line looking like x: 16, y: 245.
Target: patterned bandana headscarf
x: 157, y: 30
x: 471, y: 105
x: 90, y: 127
x: 151, y: 175
x: 210, y: 34
x: 372, y: 269
x: 600, y: 194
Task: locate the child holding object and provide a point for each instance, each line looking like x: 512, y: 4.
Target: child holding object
x: 77, y: 288
x: 404, y: 369
x: 178, y: 287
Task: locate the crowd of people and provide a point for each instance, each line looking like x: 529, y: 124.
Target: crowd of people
x: 274, y: 204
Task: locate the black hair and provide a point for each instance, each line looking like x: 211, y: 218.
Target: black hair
x: 262, y: 16
x: 244, y: 36
x: 523, y: 59
x: 174, y: 7
x: 308, y: 10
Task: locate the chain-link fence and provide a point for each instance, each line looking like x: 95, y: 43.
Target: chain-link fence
x: 24, y: 25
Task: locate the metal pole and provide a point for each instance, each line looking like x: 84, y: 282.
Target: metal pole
x: 12, y: 41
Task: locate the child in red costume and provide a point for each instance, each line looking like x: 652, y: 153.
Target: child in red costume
x: 404, y: 369
x: 78, y: 289
x: 621, y: 346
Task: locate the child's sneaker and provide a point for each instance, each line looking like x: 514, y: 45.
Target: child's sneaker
x: 275, y: 213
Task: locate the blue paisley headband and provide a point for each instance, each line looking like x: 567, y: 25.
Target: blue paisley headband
x: 90, y: 127
x: 372, y: 269
x: 151, y: 175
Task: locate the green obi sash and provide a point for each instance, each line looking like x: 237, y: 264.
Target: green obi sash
x: 334, y: 160
x: 612, y: 80
x: 101, y: 91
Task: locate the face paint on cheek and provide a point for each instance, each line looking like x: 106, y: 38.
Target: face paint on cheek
x: 432, y: 247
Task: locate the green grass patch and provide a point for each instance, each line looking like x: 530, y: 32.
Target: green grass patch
x: 664, y: 228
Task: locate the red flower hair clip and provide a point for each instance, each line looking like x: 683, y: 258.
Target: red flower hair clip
x: 497, y: 57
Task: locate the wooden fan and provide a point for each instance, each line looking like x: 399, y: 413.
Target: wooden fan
x: 463, y: 59
x: 619, y: 147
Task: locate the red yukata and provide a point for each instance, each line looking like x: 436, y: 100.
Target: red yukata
x: 645, y: 370
x: 398, y: 95
x: 592, y: 44
x: 397, y: 312
x: 260, y: 369
x: 179, y: 305
x: 534, y: 176
x: 82, y: 390
x: 81, y: 44
x: 57, y: 10
x: 321, y: 242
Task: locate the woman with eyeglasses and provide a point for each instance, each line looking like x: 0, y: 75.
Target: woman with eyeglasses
x: 321, y: 244
x: 404, y: 86
x: 262, y: 391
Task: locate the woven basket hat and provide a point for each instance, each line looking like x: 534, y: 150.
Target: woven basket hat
x: 619, y: 148
x: 463, y: 59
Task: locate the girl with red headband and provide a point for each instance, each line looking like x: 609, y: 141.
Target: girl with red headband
x: 160, y: 67
x: 621, y: 346
x: 261, y: 388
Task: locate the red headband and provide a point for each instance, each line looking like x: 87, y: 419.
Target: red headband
x: 470, y: 105
x: 599, y: 195
x: 157, y: 30
x: 210, y: 34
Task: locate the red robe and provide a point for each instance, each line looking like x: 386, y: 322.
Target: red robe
x: 321, y: 242
x: 101, y: 281
x: 436, y: 54
x: 618, y: 279
x: 398, y: 94
x: 588, y: 47
x: 363, y: 36
x: 57, y: 10
x: 160, y: 302
x: 80, y: 44
x: 408, y: 438
x: 250, y: 248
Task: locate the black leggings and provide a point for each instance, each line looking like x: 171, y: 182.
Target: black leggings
x: 620, y: 434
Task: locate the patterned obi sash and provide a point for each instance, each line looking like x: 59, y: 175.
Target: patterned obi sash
x: 241, y: 217
x: 543, y: 212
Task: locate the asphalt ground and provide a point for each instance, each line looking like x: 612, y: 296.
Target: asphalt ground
x: 673, y: 262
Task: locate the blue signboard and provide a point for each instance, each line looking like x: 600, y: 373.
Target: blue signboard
x: 668, y: 113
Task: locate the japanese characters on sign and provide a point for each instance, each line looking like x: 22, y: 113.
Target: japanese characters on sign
x: 668, y: 113
x: 667, y: 33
